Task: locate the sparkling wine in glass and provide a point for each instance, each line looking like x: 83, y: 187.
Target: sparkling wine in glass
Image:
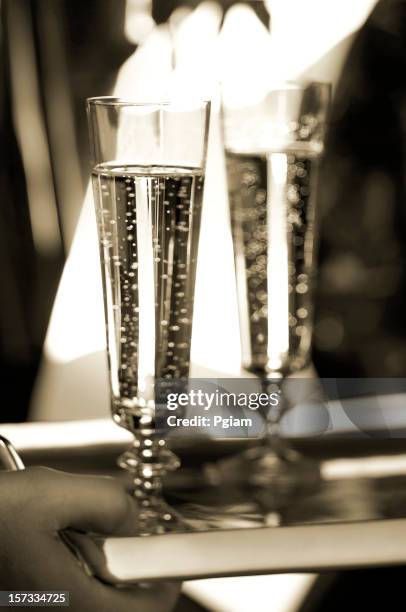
x: 273, y: 146
x: 148, y: 177
x: 272, y: 155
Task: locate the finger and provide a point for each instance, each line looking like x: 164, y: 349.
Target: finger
x: 153, y: 57
x: 87, y: 503
x: 176, y: 19
x: 195, y: 51
x: 195, y: 38
x: 244, y: 47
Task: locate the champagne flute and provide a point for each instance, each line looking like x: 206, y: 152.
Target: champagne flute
x: 148, y: 167
x: 273, y: 144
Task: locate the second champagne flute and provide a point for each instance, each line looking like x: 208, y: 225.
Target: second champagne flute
x: 273, y: 145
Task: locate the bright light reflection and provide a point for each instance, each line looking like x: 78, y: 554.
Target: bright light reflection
x: 277, y: 268
x: 77, y: 327
x: 279, y: 593
x: 243, y: 54
x: 364, y: 467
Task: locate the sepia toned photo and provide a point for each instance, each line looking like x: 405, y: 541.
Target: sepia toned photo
x: 203, y: 288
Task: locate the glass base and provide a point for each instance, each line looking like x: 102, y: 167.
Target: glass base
x: 274, y: 474
x: 157, y: 517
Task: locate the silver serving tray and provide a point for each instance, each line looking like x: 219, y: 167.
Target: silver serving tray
x: 346, y: 508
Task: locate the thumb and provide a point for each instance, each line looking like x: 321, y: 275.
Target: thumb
x: 85, y: 503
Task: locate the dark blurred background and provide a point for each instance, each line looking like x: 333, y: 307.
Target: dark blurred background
x: 361, y: 299
x: 55, y: 53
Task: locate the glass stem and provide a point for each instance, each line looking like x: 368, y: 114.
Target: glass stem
x: 148, y: 460
x: 274, y: 438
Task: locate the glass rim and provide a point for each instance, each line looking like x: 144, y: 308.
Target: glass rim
x: 118, y: 101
